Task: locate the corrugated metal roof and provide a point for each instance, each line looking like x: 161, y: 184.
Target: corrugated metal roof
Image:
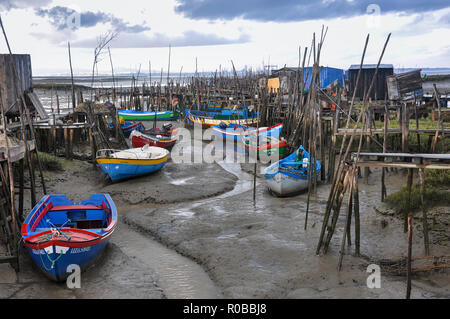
x: 371, y: 66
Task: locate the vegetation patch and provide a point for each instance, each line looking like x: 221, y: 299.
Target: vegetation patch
x: 437, y: 183
x: 50, y: 162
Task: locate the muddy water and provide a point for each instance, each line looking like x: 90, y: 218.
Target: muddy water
x: 178, y: 276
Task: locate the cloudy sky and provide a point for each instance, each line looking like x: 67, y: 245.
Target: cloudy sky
x: 251, y: 33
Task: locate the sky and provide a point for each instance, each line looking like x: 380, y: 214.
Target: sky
x: 210, y: 35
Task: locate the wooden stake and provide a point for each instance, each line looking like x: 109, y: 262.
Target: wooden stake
x: 424, y: 211
x: 408, y: 276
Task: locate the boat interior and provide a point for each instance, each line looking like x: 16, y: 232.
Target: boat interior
x: 59, y: 212
x: 146, y: 152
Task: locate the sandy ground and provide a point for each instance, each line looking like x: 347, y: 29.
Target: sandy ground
x: 193, y: 231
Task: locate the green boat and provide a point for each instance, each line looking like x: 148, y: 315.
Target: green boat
x: 268, y: 145
x: 130, y: 115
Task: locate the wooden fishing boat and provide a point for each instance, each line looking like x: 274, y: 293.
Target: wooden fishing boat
x: 129, y: 127
x: 58, y: 232
x: 139, y: 139
x: 131, y: 115
x: 130, y: 163
x: 236, y: 132
x: 289, y: 176
x: 208, y: 119
x: 264, y: 145
x: 166, y: 130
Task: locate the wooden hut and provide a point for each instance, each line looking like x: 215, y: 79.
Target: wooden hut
x: 10, y: 88
x: 379, y: 90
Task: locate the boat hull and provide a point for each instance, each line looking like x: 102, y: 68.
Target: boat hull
x: 207, y: 122
x: 269, y: 149
x: 129, y: 127
x: 289, y: 176
x: 148, y: 116
x: 136, y: 127
x: 284, y: 186
x: 66, y: 256
x: 58, y: 233
x: 237, y: 132
x: 140, y: 140
x: 119, y: 169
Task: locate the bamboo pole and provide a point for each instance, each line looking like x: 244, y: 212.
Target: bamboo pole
x: 338, y: 172
x: 346, y: 233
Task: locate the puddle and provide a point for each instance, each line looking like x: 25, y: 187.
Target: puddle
x: 182, y: 181
x: 182, y: 213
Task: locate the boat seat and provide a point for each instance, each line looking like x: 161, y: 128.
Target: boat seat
x: 75, y: 207
x: 90, y: 224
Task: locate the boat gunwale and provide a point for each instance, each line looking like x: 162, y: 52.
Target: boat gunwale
x: 167, y: 153
x: 105, y: 231
x: 150, y: 137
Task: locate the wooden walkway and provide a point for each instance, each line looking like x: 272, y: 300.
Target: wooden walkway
x: 403, y: 160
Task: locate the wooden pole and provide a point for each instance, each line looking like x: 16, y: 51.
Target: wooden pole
x: 408, y: 204
x: 71, y: 76
x: 256, y: 160
x: 424, y: 211
x: 408, y: 275
x: 356, y: 212
x: 346, y: 232
x: 439, y: 125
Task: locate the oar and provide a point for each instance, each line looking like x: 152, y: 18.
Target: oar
x: 59, y: 229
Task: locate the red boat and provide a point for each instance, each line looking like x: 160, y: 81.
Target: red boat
x: 162, y: 132
x: 139, y: 139
x: 165, y: 131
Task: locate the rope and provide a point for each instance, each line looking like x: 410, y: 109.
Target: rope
x: 52, y: 261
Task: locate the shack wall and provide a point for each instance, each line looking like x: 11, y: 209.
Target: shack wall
x: 379, y: 90
x: 7, y: 79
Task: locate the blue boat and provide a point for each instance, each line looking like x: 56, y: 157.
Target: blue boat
x: 289, y: 176
x: 59, y: 233
x: 236, y: 132
x: 130, y: 163
x: 129, y: 127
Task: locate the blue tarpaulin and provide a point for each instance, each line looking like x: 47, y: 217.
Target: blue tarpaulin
x: 327, y: 76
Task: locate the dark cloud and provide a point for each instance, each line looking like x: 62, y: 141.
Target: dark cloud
x: 298, y: 10
x: 158, y: 40
x: 6, y: 5
x: 59, y: 17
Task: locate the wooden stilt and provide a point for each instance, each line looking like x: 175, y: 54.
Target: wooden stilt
x: 424, y: 210
x: 408, y: 276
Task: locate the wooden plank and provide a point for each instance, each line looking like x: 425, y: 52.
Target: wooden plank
x: 403, y: 165
x: 18, y: 151
x: 366, y: 132
x: 38, y: 105
x: 8, y: 259
x: 409, y: 155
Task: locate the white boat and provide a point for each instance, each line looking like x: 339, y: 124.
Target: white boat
x: 289, y: 176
